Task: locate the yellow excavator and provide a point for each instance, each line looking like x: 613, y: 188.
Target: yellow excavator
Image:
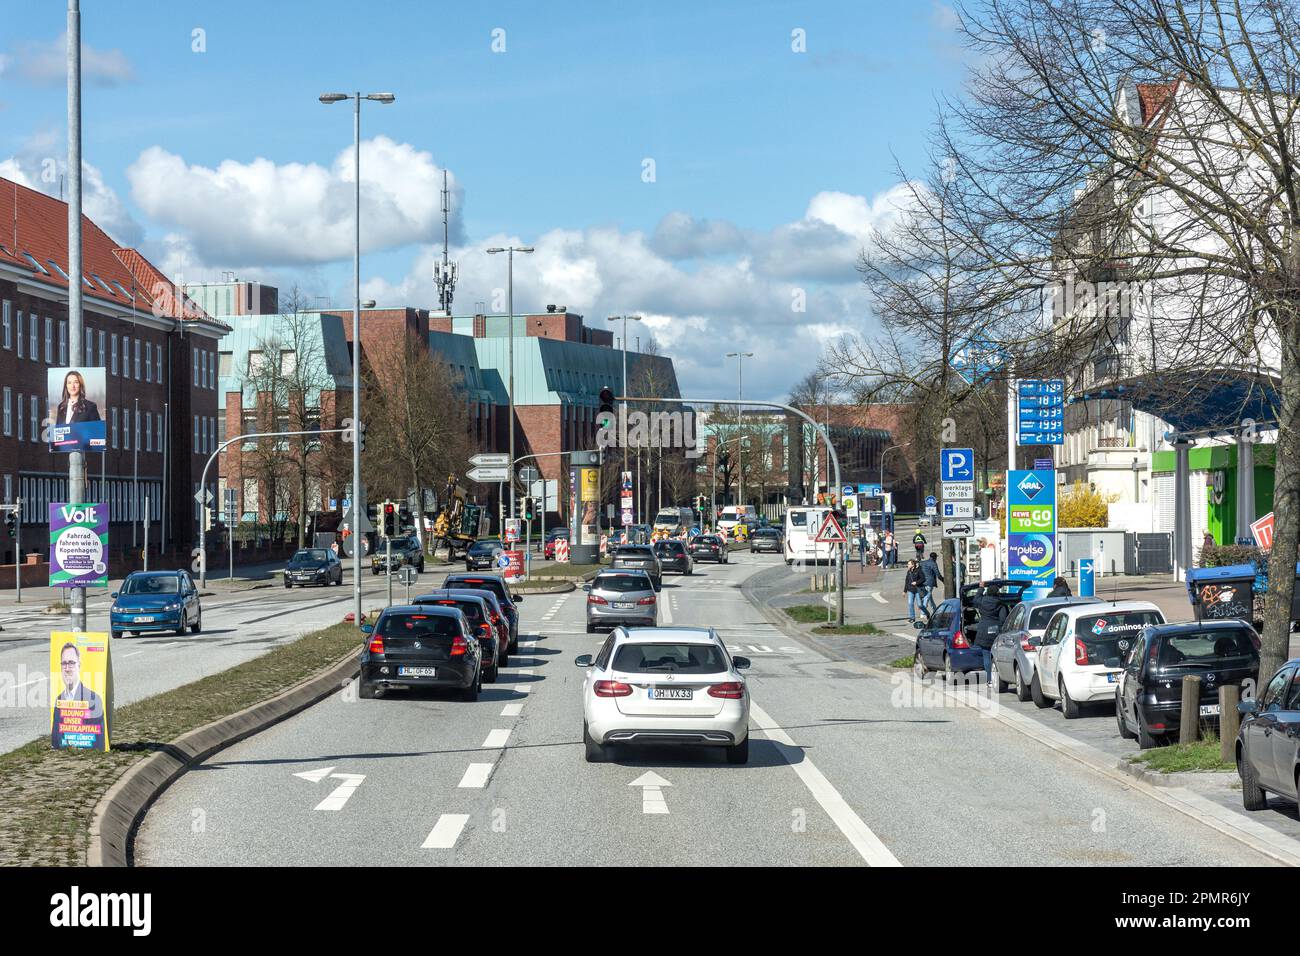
x: 459, y: 524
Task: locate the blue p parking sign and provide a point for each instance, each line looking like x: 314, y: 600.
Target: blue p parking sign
x: 957, y: 464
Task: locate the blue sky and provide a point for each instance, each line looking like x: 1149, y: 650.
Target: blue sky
x: 768, y: 163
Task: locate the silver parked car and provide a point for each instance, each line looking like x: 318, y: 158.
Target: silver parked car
x: 1016, y: 647
x: 621, y: 597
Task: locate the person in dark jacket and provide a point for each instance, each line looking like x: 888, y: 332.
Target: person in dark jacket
x: 918, y: 542
x: 1060, y: 588
x: 914, y: 581
x: 930, y: 571
x: 993, y: 613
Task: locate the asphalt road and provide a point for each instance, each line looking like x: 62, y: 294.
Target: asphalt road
x: 236, y: 628
x: 845, y: 769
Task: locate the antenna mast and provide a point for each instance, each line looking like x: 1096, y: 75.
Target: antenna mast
x: 444, y: 272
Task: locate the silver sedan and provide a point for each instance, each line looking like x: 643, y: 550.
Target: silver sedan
x: 621, y: 597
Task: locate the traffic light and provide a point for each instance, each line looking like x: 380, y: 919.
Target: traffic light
x: 389, y: 523
x: 11, y: 522
x: 605, y: 415
x: 529, y: 508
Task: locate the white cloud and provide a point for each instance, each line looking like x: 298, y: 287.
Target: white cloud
x: 260, y: 214
x: 47, y: 63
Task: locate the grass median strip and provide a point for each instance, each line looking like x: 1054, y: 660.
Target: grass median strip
x: 847, y: 629
x: 1177, y: 758
x: 807, y: 613
x: 49, y: 795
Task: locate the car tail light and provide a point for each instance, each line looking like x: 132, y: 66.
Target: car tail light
x: 596, y: 599
x: 458, y: 646
x: 1080, y: 652
x: 486, y: 628
x: 1157, y: 726
x: 959, y: 641
x: 612, y: 688
x: 647, y: 600
x: 1024, y: 644
x: 732, y: 690
x: 376, y: 645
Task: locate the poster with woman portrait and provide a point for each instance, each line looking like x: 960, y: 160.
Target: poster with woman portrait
x: 76, y: 399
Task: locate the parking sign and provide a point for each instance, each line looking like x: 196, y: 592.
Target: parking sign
x: 956, y: 464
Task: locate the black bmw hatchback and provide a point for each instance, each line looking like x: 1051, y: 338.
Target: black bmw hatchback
x: 418, y: 646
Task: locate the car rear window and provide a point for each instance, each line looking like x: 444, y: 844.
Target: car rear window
x: 419, y: 625
x: 765, y: 533
x: 1041, y: 615
x: 481, y: 547
x: 670, y: 547
x: 1111, y: 635
x: 670, y: 659
x: 1205, y: 647
x: 477, y: 584
x: 707, y: 539
x: 471, y: 609
x: 621, y: 582
x: 634, y: 553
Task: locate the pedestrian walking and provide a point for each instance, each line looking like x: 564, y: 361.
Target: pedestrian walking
x: 913, y: 581
x: 890, y: 557
x: 1060, y: 588
x: 932, y: 577
x: 993, y: 613
x: 918, y: 542
x: 862, y: 550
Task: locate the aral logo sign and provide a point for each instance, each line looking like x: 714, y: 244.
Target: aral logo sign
x: 1030, y: 486
x: 1031, y: 526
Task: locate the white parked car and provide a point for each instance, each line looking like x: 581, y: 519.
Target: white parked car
x: 1071, y: 663
x: 664, y: 685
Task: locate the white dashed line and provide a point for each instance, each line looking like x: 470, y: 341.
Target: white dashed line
x: 445, y: 832
x: 476, y: 776
x: 496, y: 739
x: 523, y: 688
x: 512, y: 710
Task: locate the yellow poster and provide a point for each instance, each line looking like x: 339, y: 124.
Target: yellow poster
x: 590, y: 484
x: 81, y: 682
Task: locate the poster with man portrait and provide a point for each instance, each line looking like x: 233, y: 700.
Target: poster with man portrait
x: 76, y: 399
x: 81, y: 681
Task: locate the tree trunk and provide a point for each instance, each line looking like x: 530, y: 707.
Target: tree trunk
x: 1286, y: 505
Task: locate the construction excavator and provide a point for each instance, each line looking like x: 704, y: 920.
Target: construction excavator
x: 459, y: 524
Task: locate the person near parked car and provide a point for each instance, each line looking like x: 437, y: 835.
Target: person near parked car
x: 1060, y: 588
x: 930, y: 571
x: 993, y: 613
x: 913, y: 581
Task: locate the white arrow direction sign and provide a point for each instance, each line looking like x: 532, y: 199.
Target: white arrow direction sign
x: 489, y: 473
x: 493, y: 460
x: 652, y: 796
x: 341, y: 793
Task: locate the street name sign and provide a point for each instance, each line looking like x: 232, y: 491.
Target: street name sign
x: 491, y: 460
x: 489, y: 473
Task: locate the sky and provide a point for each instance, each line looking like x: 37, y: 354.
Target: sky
x: 713, y: 167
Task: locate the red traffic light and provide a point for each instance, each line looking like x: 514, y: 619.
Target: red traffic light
x: 389, y: 509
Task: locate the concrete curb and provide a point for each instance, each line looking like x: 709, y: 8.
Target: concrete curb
x: 558, y: 589
x: 120, y: 810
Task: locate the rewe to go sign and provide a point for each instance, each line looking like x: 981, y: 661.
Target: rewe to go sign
x: 79, y: 514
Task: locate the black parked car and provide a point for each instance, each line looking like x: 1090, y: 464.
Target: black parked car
x: 313, y: 566
x: 482, y: 554
x: 673, y: 556
x: 639, y: 557
x: 406, y: 551
x: 496, y: 585
x: 765, y: 539
x: 474, y: 605
x: 1268, y: 744
x: 708, y: 547
x: 1149, y: 699
x: 421, y: 647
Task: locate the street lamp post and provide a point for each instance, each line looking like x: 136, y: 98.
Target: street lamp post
x: 357, y: 504
x: 623, y: 431
x: 740, y: 449
x: 510, y: 349
x: 882, y: 484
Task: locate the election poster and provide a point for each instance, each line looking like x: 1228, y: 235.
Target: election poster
x: 74, y: 398
x: 78, y: 545
x: 81, y: 678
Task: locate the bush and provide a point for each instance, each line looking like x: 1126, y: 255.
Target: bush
x: 1084, y: 507
x: 1222, y: 555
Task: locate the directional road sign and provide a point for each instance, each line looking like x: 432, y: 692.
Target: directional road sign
x: 495, y: 459
x: 957, y: 464
x: 528, y: 474
x: 489, y: 473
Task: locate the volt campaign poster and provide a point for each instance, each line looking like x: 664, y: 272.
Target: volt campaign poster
x: 75, y: 397
x: 78, y: 545
x: 1031, y: 526
x: 81, y: 678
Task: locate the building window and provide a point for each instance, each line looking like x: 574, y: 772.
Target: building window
x: 114, y: 355
x: 148, y: 363
x: 63, y: 343
x: 221, y: 430
x: 35, y: 410
x: 88, y: 354
x: 49, y: 341
x: 148, y: 431
x: 9, y: 412
x: 9, y: 488
x: 20, y: 335
x: 158, y: 421
x: 226, y: 365
x: 126, y: 429
x: 137, y: 429
x: 157, y: 358
x: 33, y: 333
x: 6, y: 312
x: 137, y: 359
x: 112, y: 415
x: 196, y: 434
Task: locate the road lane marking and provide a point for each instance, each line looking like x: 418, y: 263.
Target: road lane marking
x: 652, y: 794
x: 476, y: 775
x: 524, y: 672
x: 668, y: 611
x: 837, y: 808
x: 878, y: 597
x: 495, y: 740
x: 511, y: 710
x: 341, y: 794
x: 445, y: 832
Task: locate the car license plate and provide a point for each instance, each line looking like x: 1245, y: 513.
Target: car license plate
x: 624, y: 605
x: 142, y: 619
x: 671, y: 693
x: 1209, y: 710
x: 417, y: 672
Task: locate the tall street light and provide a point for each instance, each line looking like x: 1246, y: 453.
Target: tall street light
x: 357, y: 504
x: 623, y: 433
x: 882, y: 485
x: 740, y: 449
x: 510, y: 349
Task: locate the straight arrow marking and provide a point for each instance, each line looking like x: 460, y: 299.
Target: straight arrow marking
x: 342, y: 792
x: 652, y: 795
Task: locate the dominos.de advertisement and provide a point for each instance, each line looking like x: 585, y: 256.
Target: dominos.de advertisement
x: 1031, y: 526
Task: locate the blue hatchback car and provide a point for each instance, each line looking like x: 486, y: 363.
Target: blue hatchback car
x: 154, y: 601
x: 941, y: 644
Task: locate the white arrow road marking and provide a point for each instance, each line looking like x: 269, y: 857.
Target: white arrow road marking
x: 342, y: 792
x: 315, y: 776
x: 837, y: 808
x: 496, y: 739
x: 652, y: 796
x: 476, y: 775
x: 445, y: 832
x: 878, y: 597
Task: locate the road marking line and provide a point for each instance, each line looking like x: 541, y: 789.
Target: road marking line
x: 511, y: 710
x: 342, y: 792
x: 523, y: 688
x: 668, y: 611
x: 445, y: 832
x: 837, y: 808
x: 132, y: 654
x: 476, y: 775
x: 652, y: 800
x: 495, y: 740
x: 878, y: 597
x: 524, y: 672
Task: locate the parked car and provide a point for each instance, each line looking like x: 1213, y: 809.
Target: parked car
x: 673, y: 556
x: 313, y: 566
x: 412, y: 646
x: 942, y: 643
x: 474, y: 605
x: 664, y: 685
x: 495, y: 584
x: 640, y: 556
x: 1268, y: 744
x: 406, y: 552
x: 153, y: 601
x: 766, y: 539
x: 708, y: 547
x: 1079, y: 654
x: 1015, y: 649
x: 621, y: 597
x: 1149, y: 702
x: 482, y: 554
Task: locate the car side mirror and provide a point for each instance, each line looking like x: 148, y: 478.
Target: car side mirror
x: 1248, y: 708
x: 740, y: 663
x: 583, y: 660
x: 1035, y: 642
x: 113, y: 595
x: 918, y: 624
x: 517, y: 599
x: 367, y: 628
x: 586, y: 587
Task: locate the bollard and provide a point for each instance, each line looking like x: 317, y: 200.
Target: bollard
x: 1190, y: 724
x: 1229, y: 722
